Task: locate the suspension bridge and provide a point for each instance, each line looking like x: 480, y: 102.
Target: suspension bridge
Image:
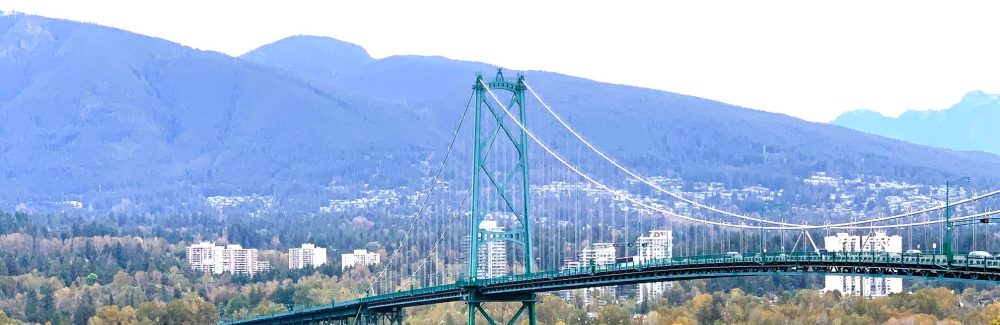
x: 501, y: 191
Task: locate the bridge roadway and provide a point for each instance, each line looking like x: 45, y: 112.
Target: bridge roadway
x: 388, y: 307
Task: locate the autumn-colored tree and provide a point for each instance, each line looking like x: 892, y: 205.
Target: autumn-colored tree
x: 114, y: 315
x: 4, y: 320
x: 267, y: 307
x: 614, y: 315
x: 191, y: 309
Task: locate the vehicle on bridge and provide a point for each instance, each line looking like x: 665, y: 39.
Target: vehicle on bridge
x: 980, y: 254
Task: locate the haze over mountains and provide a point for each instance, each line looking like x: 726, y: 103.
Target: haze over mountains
x: 119, y: 120
x: 968, y: 125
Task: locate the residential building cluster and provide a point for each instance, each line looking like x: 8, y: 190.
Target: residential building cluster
x: 207, y: 257
x: 370, y: 199
x: 657, y: 245
x: 837, y: 197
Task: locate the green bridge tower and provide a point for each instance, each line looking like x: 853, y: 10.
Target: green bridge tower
x: 508, y: 186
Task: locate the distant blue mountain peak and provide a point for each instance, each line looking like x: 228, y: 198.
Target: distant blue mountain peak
x: 966, y: 125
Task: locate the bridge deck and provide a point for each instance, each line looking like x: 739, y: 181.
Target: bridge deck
x: 682, y: 268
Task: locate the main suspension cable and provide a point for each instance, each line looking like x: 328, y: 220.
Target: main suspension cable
x: 636, y: 176
x: 601, y: 185
x: 846, y: 225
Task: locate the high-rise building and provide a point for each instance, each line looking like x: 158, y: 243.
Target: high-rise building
x: 878, y: 242
x: 235, y: 259
x: 306, y: 256
x: 658, y: 245
x: 492, y: 254
x: 239, y: 260
x: 359, y: 257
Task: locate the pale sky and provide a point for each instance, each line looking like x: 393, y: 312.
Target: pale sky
x: 807, y: 59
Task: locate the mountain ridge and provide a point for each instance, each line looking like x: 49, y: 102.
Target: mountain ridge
x: 113, y: 118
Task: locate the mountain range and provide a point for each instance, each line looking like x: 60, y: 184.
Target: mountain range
x: 967, y: 125
x: 111, y: 118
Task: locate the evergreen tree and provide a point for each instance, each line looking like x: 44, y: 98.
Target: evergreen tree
x: 47, y: 307
x: 31, y: 306
x: 84, y: 311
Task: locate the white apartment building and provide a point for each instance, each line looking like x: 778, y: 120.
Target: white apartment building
x: 235, y: 259
x: 657, y: 246
x: 492, y: 254
x: 860, y: 285
x: 597, y: 255
x: 205, y: 257
x: 359, y: 257
x: 306, y: 256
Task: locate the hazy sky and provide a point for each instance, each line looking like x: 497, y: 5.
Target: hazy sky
x: 801, y: 58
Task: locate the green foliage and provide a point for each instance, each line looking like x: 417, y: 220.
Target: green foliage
x: 128, y: 279
x: 267, y: 307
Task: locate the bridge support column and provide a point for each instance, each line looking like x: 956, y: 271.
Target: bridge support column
x: 525, y: 312
x: 530, y: 306
x: 396, y: 317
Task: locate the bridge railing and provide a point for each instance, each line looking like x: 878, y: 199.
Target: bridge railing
x: 810, y: 256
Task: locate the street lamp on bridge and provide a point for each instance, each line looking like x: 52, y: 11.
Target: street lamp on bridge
x: 948, y: 225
